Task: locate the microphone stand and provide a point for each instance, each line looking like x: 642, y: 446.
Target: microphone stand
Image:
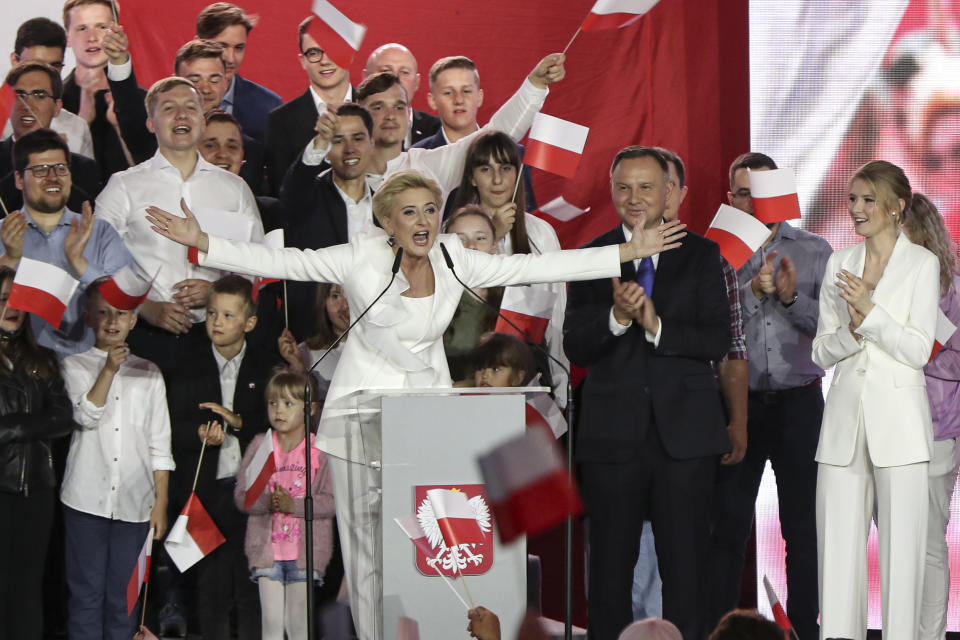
x: 307, y: 399
x: 568, y: 414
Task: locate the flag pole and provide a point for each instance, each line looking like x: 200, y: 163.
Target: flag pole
x: 286, y: 313
x: 564, y: 52
x: 463, y: 580
x: 4, y: 207
x: 516, y: 185
x: 196, y: 476
x: 433, y: 563
x: 143, y: 606
x: 116, y: 14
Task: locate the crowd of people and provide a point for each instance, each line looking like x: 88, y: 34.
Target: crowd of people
x: 696, y: 374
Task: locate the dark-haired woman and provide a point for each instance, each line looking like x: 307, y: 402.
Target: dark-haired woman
x: 490, y: 174
x: 34, y: 409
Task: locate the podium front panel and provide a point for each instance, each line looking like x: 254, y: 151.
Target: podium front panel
x: 433, y: 441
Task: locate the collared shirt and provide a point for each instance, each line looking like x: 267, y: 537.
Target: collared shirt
x: 105, y: 254
x: 317, y: 100
x: 73, y: 127
x: 359, y: 213
x: 443, y: 132
x: 227, y: 102
x: 208, y: 192
x: 618, y: 329
x: 738, y: 344
x: 110, y: 466
x: 229, y: 459
x: 780, y: 338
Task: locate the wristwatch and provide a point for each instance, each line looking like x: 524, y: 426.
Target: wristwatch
x: 792, y: 300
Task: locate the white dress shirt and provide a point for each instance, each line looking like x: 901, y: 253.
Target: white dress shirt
x: 210, y: 193
x: 73, y: 127
x: 359, y: 212
x: 111, y: 462
x: 618, y: 329
x: 229, y: 460
x: 317, y: 100
x: 445, y: 164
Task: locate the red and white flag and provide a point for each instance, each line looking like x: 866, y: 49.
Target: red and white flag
x: 141, y: 573
x: 555, y: 145
x: 529, y: 308
x: 615, y: 14
x: 455, y: 517
x: 543, y: 412
x: 779, y: 615
x: 737, y: 233
x: 411, y: 527
x: 945, y: 330
x: 274, y: 240
x: 562, y: 210
x: 262, y: 466
x: 335, y: 33
x: 42, y: 289
x: 527, y: 485
x: 774, y: 195
x: 193, y: 535
x: 8, y: 98
x: 125, y: 289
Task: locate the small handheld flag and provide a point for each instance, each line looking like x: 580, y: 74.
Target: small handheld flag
x: 555, y: 145
x: 42, y: 289
x: 774, y: 195
x: 141, y: 573
x: 945, y: 330
x: 737, y: 233
x: 615, y: 14
x: 125, y: 289
x: 335, y: 33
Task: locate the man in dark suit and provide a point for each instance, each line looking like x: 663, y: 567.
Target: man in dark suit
x: 39, y: 90
x: 455, y: 94
x: 651, y: 425
x: 247, y: 101
x: 291, y: 125
x: 399, y: 60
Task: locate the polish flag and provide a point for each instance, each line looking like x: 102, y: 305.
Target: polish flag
x: 738, y: 234
x: 8, y: 98
x: 455, y: 517
x: 562, y: 210
x: 141, y: 573
x: 945, y: 330
x: 273, y: 240
x: 527, y: 485
x: 615, y: 14
x: 774, y: 195
x: 193, y: 535
x: 529, y: 308
x: 555, y: 145
x: 778, y: 613
x: 543, y: 412
x: 335, y: 33
x: 125, y: 289
x: 42, y: 289
x: 259, y: 471
x: 411, y: 527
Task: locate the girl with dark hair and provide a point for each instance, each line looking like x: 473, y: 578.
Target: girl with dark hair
x: 503, y: 361
x: 491, y: 172
x: 34, y: 409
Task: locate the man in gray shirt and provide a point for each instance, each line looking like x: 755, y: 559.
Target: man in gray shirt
x: 779, y: 291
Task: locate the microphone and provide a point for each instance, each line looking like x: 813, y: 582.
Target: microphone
x: 308, y: 497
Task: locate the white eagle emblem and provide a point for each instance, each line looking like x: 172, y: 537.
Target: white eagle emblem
x: 453, y: 559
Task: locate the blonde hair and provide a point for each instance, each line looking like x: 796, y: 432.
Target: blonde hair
x: 386, y: 196
x: 889, y: 184
x: 924, y: 226
x: 164, y: 85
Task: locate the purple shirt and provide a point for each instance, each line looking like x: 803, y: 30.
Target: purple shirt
x: 943, y: 374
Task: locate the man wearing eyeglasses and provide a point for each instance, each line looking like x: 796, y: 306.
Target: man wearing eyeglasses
x: 39, y: 90
x: 43, y: 40
x: 47, y: 229
x: 291, y: 125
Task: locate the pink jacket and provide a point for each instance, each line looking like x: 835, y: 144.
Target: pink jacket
x: 943, y: 374
x: 257, y: 545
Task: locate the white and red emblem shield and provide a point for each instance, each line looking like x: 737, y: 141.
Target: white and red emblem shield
x: 471, y: 557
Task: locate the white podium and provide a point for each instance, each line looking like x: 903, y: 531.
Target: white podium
x: 398, y: 444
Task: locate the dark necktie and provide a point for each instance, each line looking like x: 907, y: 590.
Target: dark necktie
x: 645, y: 273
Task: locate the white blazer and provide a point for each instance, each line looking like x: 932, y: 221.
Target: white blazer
x: 374, y: 357
x: 882, y: 376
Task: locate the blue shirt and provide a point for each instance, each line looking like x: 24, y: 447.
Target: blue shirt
x: 780, y: 338
x: 227, y: 103
x: 105, y: 254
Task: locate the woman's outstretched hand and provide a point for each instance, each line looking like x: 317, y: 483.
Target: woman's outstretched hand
x: 185, y: 230
x: 647, y: 242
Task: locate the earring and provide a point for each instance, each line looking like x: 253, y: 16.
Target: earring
x: 392, y: 240
x: 893, y: 213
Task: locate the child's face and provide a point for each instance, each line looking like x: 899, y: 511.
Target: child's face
x: 227, y: 321
x: 110, y: 325
x: 498, y: 376
x: 285, y: 412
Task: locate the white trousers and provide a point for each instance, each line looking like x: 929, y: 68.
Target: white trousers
x: 942, y: 476
x: 356, y: 491
x: 845, y: 504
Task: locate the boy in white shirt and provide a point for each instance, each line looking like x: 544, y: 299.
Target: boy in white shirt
x: 115, y: 484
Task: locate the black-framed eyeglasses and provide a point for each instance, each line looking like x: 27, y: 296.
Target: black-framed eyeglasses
x: 43, y: 170
x: 36, y: 94
x: 313, y: 54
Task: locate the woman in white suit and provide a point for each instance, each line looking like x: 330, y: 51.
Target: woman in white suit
x: 399, y: 343
x: 878, y: 314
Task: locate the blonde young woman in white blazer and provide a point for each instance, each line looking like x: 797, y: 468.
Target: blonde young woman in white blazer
x: 399, y: 343
x: 878, y: 314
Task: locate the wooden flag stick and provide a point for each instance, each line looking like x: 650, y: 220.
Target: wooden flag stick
x: 196, y: 476
x: 433, y: 564
x: 516, y: 185
x: 286, y: 314
x: 564, y: 52
x: 4, y: 207
x: 116, y: 12
x: 143, y: 606
x: 463, y: 580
